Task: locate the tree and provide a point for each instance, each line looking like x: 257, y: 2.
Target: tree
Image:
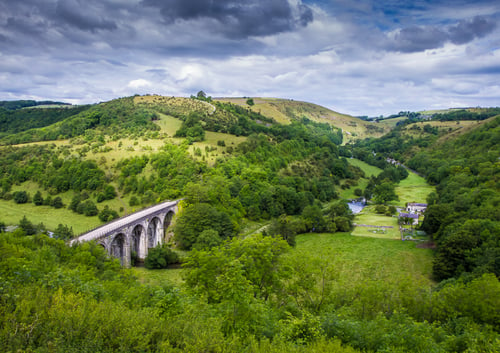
x: 107, y: 214
x: 160, y: 257
x: 199, y: 217
x: 250, y: 101
x: 63, y: 232
x: 27, y: 226
x: 57, y: 202
x: 88, y: 208
x: 313, y: 218
x: 287, y: 227
x: 21, y: 197
x: 255, y: 259
x: 207, y: 239
x: 38, y: 199
x: 384, y: 192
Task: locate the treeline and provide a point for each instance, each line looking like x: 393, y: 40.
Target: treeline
x: 55, y: 174
x: 19, y: 104
x: 14, y: 121
x: 119, y: 117
x: 467, y: 114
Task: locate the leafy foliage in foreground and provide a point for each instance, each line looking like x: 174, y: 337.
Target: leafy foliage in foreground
x: 255, y: 294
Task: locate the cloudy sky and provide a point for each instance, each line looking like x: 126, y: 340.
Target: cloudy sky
x: 361, y: 57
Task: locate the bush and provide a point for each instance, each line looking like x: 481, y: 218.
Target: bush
x: 38, y: 199
x: 160, y: 257
x: 27, y: 226
x: 134, y: 201
x: 207, y: 239
x: 107, y: 214
x: 57, y: 202
x: 88, y: 208
x: 21, y: 197
x: 63, y: 232
x: 380, y: 209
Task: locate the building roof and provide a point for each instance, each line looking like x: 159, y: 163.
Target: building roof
x: 408, y: 215
x: 417, y: 204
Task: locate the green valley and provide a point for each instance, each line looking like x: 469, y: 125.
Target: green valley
x: 264, y: 254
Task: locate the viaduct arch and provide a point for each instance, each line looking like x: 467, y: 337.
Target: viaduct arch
x: 134, y: 233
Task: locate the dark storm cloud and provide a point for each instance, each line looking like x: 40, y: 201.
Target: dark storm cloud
x: 466, y: 31
x: 237, y: 18
x: 420, y: 38
x: 82, y: 16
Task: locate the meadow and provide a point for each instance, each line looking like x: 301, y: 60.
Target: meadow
x: 350, y: 261
x: 412, y: 189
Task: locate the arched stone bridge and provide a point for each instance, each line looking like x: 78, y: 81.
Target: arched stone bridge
x: 137, y: 232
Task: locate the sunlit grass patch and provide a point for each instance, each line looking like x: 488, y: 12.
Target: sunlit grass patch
x: 365, y: 167
x: 11, y: 213
x: 158, y: 277
x: 412, y: 189
x: 357, y: 259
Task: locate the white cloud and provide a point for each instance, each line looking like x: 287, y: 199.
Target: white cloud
x: 139, y: 83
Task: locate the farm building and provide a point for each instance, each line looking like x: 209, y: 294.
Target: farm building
x: 414, y: 207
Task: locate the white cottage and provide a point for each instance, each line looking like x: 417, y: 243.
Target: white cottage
x: 414, y: 207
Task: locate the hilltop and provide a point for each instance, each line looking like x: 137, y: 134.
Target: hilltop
x: 286, y: 110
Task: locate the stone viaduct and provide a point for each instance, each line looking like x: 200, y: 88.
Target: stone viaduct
x: 137, y: 232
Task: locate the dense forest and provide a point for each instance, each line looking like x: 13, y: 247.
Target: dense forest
x: 299, y: 282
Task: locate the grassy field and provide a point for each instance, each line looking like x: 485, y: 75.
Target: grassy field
x: 412, y: 189
x: 354, y: 259
x: 369, y: 217
x: 157, y: 277
x: 168, y: 124
x: 11, y: 213
x: 392, y: 122
x: 357, y: 259
x: 365, y: 167
x: 363, y: 182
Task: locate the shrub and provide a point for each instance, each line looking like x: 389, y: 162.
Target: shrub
x: 21, y: 197
x: 160, y: 257
x: 38, y: 198
x: 57, y: 202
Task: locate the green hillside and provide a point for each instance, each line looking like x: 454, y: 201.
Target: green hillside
x: 286, y: 110
x: 265, y: 255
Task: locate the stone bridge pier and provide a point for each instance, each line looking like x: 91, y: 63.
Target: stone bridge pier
x: 134, y: 234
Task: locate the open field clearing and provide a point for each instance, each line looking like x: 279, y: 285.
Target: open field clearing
x: 358, y: 259
x: 168, y: 124
x: 365, y: 167
x: 158, y: 277
x: 12, y: 213
x: 412, y: 189
x: 353, y: 260
x: 392, y: 122
x: 369, y: 217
